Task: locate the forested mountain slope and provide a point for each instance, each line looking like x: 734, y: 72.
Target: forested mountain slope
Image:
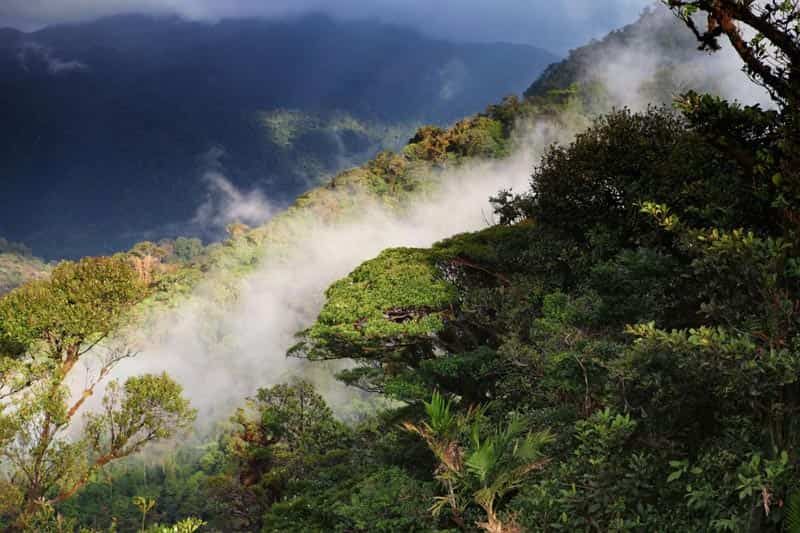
x: 110, y: 126
x: 18, y: 266
x: 620, y: 353
x: 616, y: 351
x: 650, y: 61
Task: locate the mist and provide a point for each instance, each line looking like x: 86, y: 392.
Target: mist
x: 224, y: 353
x: 628, y: 72
x: 226, y: 204
x: 222, y: 348
x: 31, y: 54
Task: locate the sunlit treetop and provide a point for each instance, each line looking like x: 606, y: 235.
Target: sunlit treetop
x: 399, y: 294
x: 407, y: 301
x: 81, y: 303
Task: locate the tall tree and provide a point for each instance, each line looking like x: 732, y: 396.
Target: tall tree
x: 766, y: 36
x: 285, y: 433
x: 46, y: 328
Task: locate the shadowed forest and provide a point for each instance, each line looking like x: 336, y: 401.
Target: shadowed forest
x: 577, y: 310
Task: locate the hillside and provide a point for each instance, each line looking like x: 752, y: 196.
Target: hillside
x: 111, y: 125
x: 652, y: 60
x: 18, y: 266
x: 610, y: 343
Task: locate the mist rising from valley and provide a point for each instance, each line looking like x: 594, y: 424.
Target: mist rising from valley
x: 223, y: 353
x: 108, y: 124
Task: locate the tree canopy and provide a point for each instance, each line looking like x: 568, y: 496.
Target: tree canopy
x: 46, y: 328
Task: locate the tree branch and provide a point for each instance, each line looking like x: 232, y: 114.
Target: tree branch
x: 68, y: 493
x: 723, y: 15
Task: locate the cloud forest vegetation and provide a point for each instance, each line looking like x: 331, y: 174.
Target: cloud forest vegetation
x: 619, y: 352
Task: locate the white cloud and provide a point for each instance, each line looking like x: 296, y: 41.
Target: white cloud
x: 225, y: 203
x: 627, y: 71
x: 221, y: 354
x: 30, y: 54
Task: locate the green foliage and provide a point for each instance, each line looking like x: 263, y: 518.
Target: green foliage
x: 144, y: 408
x: 599, y: 483
x: 640, y: 302
x: 619, y: 354
x: 187, y: 525
x: 187, y: 249
x: 478, y: 463
x: 46, y: 328
x: 793, y: 513
x: 625, y: 159
x: 386, y: 501
x: 480, y: 136
x: 285, y: 435
x: 404, y: 298
x: 79, y: 303
x: 395, y: 302
x: 47, y: 519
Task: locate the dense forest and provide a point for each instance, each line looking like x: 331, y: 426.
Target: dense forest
x: 147, y: 105
x: 18, y: 265
x: 618, y: 349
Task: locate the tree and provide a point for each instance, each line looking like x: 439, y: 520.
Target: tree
x: 622, y: 160
x: 237, y: 230
x: 387, y: 309
x: 46, y: 328
x: 390, y: 167
x: 477, y: 137
x: 771, y: 56
x: 772, y: 59
x: 285, y: 433
x: 65, y: 316
x: 429, y: 144
x: 146, y: 257
x: 187, y: 249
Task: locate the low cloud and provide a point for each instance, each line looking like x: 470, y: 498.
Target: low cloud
x: 225, y: 204
x: 32, y: 55
x: 221, y: 354
x: 632, y: 72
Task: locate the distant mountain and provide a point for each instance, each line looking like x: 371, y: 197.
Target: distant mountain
x: 654, y: 36
x: 650, y: 61
x: 107, y: 127
x: 18, y: 266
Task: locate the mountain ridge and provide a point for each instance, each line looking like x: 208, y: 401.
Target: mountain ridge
x: 112, y: 119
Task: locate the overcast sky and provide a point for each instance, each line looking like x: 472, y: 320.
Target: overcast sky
x: 554, y: 24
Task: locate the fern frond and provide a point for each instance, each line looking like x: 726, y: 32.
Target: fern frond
x: 483, y: 460
x: 440, y: 414
x: 439, y: 503
x: 532, y: 447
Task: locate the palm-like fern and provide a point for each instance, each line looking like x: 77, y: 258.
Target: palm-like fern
x: 441, y: 418
x: 440, y: 433
x: 491, y: 463
x: 500, y: 463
